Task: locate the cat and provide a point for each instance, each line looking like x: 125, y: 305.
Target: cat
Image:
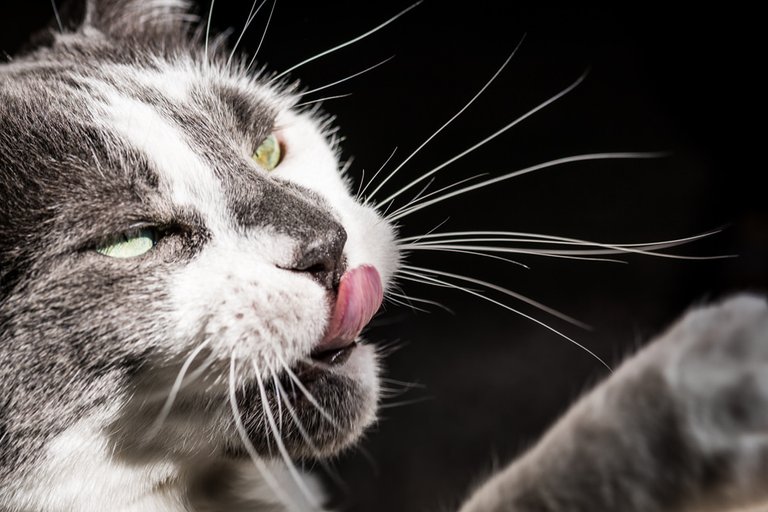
x: 184, y: 277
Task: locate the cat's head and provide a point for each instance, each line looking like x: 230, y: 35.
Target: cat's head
x: 181, y: 260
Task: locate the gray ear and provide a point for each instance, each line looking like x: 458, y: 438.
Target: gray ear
x: 143, y: 19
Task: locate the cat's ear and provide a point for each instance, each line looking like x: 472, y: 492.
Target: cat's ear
x: 143, y: 19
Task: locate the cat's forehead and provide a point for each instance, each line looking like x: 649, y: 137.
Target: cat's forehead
x: 211, y: 112
x: 183, y: 125
x: 188, y: 82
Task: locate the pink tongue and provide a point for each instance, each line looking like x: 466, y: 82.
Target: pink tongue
x: 360, y: 295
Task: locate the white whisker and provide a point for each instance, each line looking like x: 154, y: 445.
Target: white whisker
x: 208, y: 30
x: 345, y: 168
x: 438, y: 191
x: 472, y: 249
x: 505, y: 291
x: 344, y: 45
x: 424, y: 281
x: 465, y: 237
x: 554, y: 238
x: 390, y: 298
x: 199, y: 371
x: 387, y: 393
x: 460, y: 249
x: 360, y: 185
x: 281, y: 392
x: 350, y: 77
x: 279, y: 402
x: 219, y: 42
x: 263, y: 35
x: 294, y: 472
x: 384, y: 214
x: 166, y: 410
x: 376, y: 174
x: 526, y: 170
x: 332, y: 474
x: 425, y: 235
x: 428, y: 280
x: 420, y: 192
x: 447, y: 123
x: 489, y: 138
x: 260, y: 465
x: 251, y: 16
x: 403, y: 403
x: 425, y: 301
x: 330, y: 419
x: 326, y: 98
x: 387, y: 349
x: 58, y: 18
x: 507, y: 307
x: 405, y: 384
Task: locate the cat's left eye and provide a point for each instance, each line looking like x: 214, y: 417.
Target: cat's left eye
x: 269, y: 154
x: 130, y: 244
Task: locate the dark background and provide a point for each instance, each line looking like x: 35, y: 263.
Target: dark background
x: 662, y: 78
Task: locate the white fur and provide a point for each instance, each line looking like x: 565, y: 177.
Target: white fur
x: 309, y: 161
x: 172, y: 82
x: 78, y: 474
x: 254, y: 307
x: 234, y: 290
x: 237, y: 275
x: 188, y: 179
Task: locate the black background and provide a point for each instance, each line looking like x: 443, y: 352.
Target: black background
x: 661, y: 78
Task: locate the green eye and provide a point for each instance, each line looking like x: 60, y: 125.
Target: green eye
x: 269, y: 154
x: 130, y: 244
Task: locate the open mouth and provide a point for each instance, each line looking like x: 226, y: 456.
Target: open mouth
x: 335, y: 355
x: 328, y: 395
x: 359, y: 297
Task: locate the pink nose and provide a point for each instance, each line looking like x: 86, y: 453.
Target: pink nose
x: 360, y: 295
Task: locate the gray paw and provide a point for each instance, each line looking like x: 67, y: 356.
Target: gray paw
x: 719, y: 366
x: 681, y: 426
x: 716, y: 361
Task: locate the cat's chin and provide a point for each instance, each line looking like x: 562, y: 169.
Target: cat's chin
x: 328, y: 412
x: 318, y: 411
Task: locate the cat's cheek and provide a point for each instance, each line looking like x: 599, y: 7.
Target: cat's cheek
x: 361, y: 372
x: 363, y: 368
x: 246, y: 307
x: 371, y: 240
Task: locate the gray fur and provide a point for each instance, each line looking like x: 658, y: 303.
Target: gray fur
x: 679, y: 427
x: 78, y: 331
x: 87, y: 339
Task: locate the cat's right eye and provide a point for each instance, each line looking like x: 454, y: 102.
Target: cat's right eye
x: 130, y: 244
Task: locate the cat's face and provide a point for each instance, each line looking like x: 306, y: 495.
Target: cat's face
x: 181, y: 260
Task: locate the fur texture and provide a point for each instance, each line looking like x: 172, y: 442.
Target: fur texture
x: 124, y: 121
x: 188, y: 377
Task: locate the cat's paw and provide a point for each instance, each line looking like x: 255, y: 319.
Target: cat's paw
x: 681, y: 426
x: 717, y: 366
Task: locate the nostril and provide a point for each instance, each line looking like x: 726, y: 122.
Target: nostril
x: 323, y: 272
x: 317, y: 268
x: 323, y: 259
x: 328, y: 275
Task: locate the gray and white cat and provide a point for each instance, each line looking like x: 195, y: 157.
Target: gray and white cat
x: 184, y: 277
